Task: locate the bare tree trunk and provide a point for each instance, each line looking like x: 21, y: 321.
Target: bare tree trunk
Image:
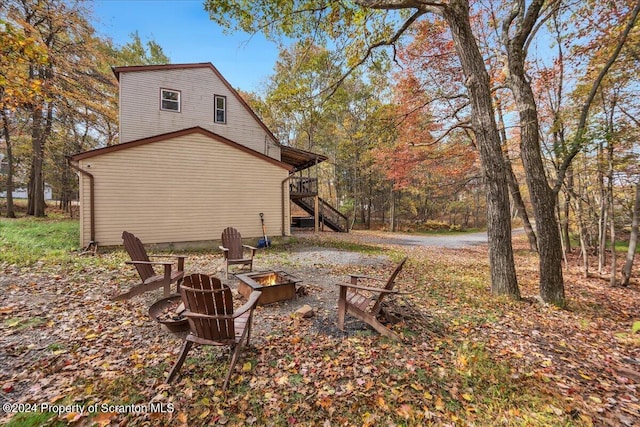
x: 567, y: 211
x: 542, y: 195
x: 563, y: 242
x: 602, y: 216
x: 392, y: 210
x: 516, y: 196
x: 502, y: 266
x: 633, y: 239
x: 578, y: 207
x: 9, y: 187
x: 35, y: 190
x: 370, y: 202
x: 514, y: 188
x: 614, y: 267
x: 563, y: 214
x: 612, y: 224
x: 40, y: 134
x: 583, y: 240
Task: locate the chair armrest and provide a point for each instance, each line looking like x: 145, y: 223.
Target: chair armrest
x: 362, y: 276
x: 369, y: 288
x: 222, y: 248
x: 191, y: 314
x: 149, y: 262
x: 168, y: 256
x: 180, y: 259
x: 250, y: 247
x: 249, y: 305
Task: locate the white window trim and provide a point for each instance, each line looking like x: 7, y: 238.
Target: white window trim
x: 215, y: 109
x: 179, y: 101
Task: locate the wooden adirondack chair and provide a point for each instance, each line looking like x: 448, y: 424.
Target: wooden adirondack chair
x: 233, y: 250
x: 212, y: 320
x: 150, y: 279
x: 364, y: 302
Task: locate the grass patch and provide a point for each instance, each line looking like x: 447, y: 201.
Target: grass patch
x: 55, y: 347
x: 33, y: 419
x: 355, y: 247
x: 623, y: 247
x: 498, y: 392
x: 22, y: 323
x: 25, y: 241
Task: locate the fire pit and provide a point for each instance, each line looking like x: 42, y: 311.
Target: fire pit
x: 275, y: 285
x: 165, y: 312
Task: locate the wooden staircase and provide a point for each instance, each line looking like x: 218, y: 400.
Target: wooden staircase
x: 303, y: 192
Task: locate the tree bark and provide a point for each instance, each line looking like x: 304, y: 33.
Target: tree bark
x: 392, y: 210
x: 567, y: 212
x: 542, y: 195
x: 583, y: 237
x: 514, y: 187
x: 503, y: 275
x: 9, y: 187
x: 612, y: 215
x: 35, y: 205
x: 42, y: 122
x: 633, y: 239
x: 602, y: 213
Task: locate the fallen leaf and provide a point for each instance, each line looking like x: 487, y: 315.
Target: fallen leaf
x: 6, y: 310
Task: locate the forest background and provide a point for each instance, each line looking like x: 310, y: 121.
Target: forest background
x: 434, y: 115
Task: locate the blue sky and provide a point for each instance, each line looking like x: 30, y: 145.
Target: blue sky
x: 187, y: 35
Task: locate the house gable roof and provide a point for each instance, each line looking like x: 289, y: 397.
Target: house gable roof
x: 177, y: 134
x: 296, y: 158
x: 137, y: 68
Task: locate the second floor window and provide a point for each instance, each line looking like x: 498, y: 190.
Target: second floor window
x: 169, y: 100
x: 220, y: 113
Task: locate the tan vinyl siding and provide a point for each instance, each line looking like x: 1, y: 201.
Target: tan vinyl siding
x: 141, y: 117
x: 183, y: 189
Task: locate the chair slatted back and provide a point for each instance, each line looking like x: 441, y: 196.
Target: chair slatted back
x: 203, y: 294
x: 232, y: 240
x: 137, y: 252
x: 389, y: 286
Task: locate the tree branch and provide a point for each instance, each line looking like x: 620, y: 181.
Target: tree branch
x: 389, y: 42
x: 629, y: 115
x: 461, y: 125
x: 399, y: 4
x: 577, y: 142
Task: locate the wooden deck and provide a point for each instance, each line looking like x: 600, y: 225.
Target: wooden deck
x: 300, y: 186
x: 303, y: 191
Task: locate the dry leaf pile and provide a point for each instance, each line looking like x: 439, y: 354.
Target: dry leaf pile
x: 466, y: 358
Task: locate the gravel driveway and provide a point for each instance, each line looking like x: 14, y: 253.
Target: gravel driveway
x: 453, y: 241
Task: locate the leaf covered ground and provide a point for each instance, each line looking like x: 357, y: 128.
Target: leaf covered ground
x: 467, y: 358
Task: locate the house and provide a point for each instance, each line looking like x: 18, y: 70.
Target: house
x: 193, y: 159
x: 20, y: 192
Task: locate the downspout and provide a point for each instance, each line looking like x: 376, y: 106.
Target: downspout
x: 92, y: 219
x: 284, y: 206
